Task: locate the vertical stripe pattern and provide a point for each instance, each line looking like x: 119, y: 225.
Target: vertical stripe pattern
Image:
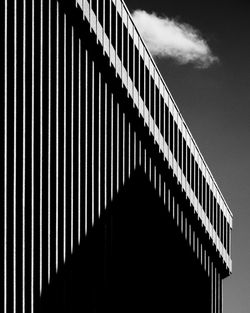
x: 72, y: 140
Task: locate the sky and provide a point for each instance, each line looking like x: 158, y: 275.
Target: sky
x: 212, y: 90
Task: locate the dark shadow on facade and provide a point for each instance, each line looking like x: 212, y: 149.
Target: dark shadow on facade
x: 133, y: 260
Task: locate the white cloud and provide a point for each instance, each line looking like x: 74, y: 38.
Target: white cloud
x: 168, y: 38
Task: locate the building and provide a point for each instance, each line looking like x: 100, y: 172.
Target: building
x: 107, y: 201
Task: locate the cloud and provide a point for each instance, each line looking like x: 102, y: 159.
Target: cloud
x: 168, y: 38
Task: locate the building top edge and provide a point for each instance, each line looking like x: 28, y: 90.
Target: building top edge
x: 176, y: 107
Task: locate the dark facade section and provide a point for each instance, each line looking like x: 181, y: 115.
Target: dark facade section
x: 135, y: 259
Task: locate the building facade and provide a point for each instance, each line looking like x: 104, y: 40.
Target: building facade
x: 88, y: 124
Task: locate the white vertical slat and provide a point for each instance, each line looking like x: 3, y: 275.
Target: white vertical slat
x: 72, y: 144
x: 79, y: 137
x: 99, y: 144
x: 140, y: 153
x: 135, y: 140
x: 5, y: 154
x: 49, y: 138
x: 212, y: 287
x: 24, y: 159
x: 160, y: 185
x: 216, y: 290
x: 112, y: 147
x: 93, y: 143
x: 150, y: 170
x: 64, y: 140
x: 105, y: 147
x: 169, y: 204
x: 110, y: 29
x: 41, y: 145
x: 123, y: 148
x: 57, y: 128
x: 32, y: 154
x: 164, y: 193
x: 116, y: 37
x: 14, y: 156
x: 129, y: 150
x: 154, y: 177
x: 118, y: 146
x: 86, y: 141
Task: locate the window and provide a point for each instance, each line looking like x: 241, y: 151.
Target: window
x: 200, y: 186
x: 188, y: 164
x: 228, y: 238
x: 218, y: 220
x: 196, y: 180
x: 211, y: 208
x: 192, y: 172
x: 225, y: 232
x: 184, y: 157
x: 136, y: 68
x: 94, y: 6
x: 142, y: 76
x: 157, y: 106
x: 119, y: 36
x: 175, y: 141
x: 107, y: 17
x: 100, y: 12
x: 204, y: 195
x: 131, y: 56
x: 166, y: 123
x: 171, y: 132
x: 221, y: 224
x: 162, y: 116
x: 180, y: 149
x: 215, y: 214
x: 152, y: 109
x: 208, y: 203
x: 125, y: 47
x: 113, y: 25
x: 147, y: 89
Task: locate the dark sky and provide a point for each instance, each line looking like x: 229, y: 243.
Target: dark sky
x: 215, y: 103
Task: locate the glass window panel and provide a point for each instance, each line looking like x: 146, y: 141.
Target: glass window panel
x: 215, y: 214
x: 200, y: 186
x: 204, y: 194
x: 113, y: 20
x: 142, y: 77
x: 100, y: 12
x: 166, y: 122
x: 180, y: 149
x: 94, y: 6
x: 192, y: 171
x: 157, y: 106
x: 211, y: 208
x: 184, y: 157
x: 125, y: 47
x: 162, y: 116
x: 171, y: 132
x: 228, y: 238
x: 131, y: 56
x: 119, y: 36
x: 136, y: 68
x: 152, y: 97
x: 107, y: 17
x: 175, y: 141
x: 147, y: 88
x: 196, y: 179
x: 218, y: 220
x: 188, y: 164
